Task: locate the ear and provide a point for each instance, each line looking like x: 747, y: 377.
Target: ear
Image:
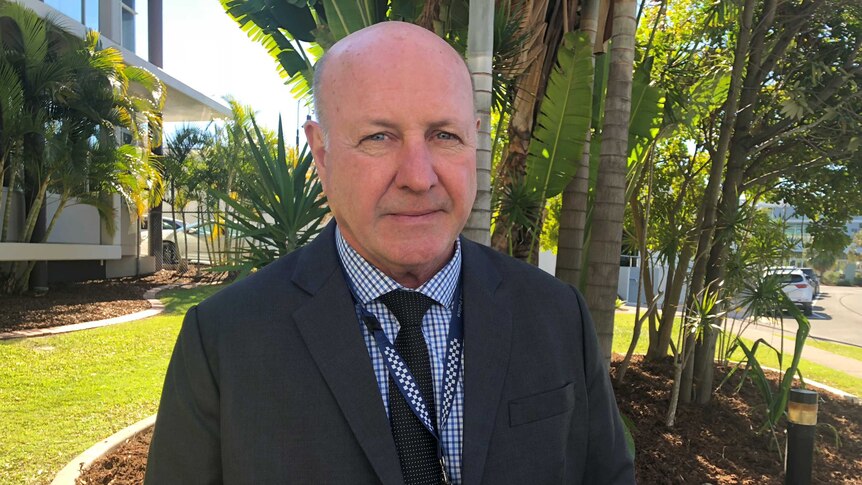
x: 314, y: 136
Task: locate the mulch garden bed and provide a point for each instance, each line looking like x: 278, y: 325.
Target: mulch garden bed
x: 68, y: 303
x: 126, y: 464
x: 720, y: 443
x: 714, y: 445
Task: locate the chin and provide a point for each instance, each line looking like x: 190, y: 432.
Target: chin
x: 417, y: 253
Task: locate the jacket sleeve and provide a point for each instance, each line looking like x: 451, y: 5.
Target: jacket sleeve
x: 185, y: 444
x: 608, y: 458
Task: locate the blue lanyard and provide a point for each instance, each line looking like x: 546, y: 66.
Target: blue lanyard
x: 403, y: 378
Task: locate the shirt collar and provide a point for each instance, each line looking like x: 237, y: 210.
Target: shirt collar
x: 370, y: 283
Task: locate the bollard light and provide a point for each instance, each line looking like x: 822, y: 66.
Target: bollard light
x: 802, y: 423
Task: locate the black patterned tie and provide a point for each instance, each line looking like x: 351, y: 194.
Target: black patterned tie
x: 417, y: 448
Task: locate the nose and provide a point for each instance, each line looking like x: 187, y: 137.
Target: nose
x: 416, y: 166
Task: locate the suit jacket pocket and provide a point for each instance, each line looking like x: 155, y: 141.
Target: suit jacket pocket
x: 543, y: 405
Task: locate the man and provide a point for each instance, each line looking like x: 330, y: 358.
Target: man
x: 315, y: 371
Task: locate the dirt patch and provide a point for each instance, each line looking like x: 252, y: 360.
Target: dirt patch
x: 720, y: 443
x: 717, y: 444
x: 68, y: 303
x: 126, y: 464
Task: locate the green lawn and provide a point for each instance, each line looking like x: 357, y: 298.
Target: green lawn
x: 624, y: 325
x: 61, y: 394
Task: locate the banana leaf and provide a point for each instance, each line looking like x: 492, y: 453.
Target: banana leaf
x: 406, y: 10
x: 564, y: 118
x: 275, y: 25
x: 347, y: 16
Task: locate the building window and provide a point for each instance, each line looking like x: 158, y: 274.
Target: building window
x: 128, y: 21
x: 83, y: 11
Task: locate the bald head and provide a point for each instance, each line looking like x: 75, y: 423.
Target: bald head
x: 380, y: 47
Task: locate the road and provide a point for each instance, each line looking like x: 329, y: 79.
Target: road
x: 838, y: 315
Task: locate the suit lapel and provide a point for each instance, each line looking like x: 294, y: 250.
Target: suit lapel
x: 329, y: 326
x: 487, y: 343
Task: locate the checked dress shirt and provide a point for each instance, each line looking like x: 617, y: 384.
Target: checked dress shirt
x: 370, y: 284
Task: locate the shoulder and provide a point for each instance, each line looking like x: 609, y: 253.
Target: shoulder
x: 274, y: 291
x: 282, y: 281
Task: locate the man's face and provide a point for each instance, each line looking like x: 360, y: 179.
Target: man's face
x: 399, y: 169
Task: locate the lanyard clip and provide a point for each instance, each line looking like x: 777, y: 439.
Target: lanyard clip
x: 444, y: 473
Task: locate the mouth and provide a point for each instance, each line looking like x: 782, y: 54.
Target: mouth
x: 415, y: 215
x: 419, y: 213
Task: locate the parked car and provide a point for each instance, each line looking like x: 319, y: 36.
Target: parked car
x: 200, y: 242
x: 197, y: 243
x: 170, y: 251
x: 797, y: 287
x: 813, y: 279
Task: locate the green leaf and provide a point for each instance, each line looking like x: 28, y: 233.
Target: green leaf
x: 279, y: 206
x: 347, y: 16
x: 564, y: 118
x: 647, y: 109
x: 278, y: 26
x: 406, y: 10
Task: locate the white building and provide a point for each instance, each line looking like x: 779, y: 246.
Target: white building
x: 79, y: 246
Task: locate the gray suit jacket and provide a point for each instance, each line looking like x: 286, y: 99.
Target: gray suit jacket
x: 270, y: 382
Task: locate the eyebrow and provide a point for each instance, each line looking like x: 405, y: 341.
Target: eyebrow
x: 383, y: 123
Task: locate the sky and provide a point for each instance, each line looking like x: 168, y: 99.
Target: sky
x: 206, y: 49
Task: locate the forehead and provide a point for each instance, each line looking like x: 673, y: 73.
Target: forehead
x: 397, y: 76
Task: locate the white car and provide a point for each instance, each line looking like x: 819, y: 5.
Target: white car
x: 797, y: 287
x: 170, y: 252
x: 194, y: 243
x: 197, y: 243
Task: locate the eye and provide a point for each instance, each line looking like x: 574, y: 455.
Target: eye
x: 375, y: 137
x: 446, y: 136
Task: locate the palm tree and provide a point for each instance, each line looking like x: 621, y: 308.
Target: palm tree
x: 573, y: 214
x: 609, y: 209
x: 73, y: 96
x: 479, y: 58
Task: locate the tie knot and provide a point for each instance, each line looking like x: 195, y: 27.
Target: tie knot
x: 408, y: 306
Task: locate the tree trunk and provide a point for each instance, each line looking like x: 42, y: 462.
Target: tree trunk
x: 660, y: 339
x: 573, y: 214
x: 539, y: 58
x: 155, y: 218
x: 480, y: 44
x: 738, y: 149
x: 640, y: 221
x: 7, y: 210
x: 609, y: 209
x: 707, y: 215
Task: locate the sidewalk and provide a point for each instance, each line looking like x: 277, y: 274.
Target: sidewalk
x: 771, y: 334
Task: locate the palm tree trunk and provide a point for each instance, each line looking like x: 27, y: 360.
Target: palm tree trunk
x: 480, y: 44
x: 61, y: 204
x: 527, y: 89
x: 609, y: 209
x: 7, y: 210
x: 573, y: 214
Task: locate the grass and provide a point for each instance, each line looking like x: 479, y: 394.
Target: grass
x: 624, y: 326
x: 60, y: 394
